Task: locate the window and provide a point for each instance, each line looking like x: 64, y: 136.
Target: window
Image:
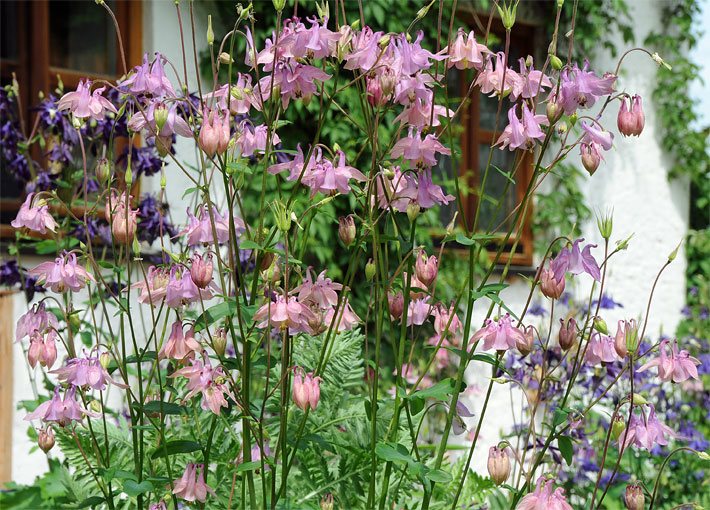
x: 477, y: 122
x: 45, y: 41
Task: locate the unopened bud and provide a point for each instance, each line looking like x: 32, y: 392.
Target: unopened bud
x: 568, y: 333
x: 219, y: 341
x: 370, y: 270
x: 225, y: 58
x: 104, y: 360
x: 554, y: 111
x: 326, y: 503
x: 45, y: 439
x: 413, y: 211
x: 555, y: 62
x: 605, y: 224
x: 210, y: 33
x: 103, y: 171
x: 395, y: 303
x: 498, y: 464
x: 600, y: 325
x: 346, y: 229
x: 674, y: 253
x: 384, y: 40
x: 95, y: 406
x: 634, y: 498
x: 128, y: 177
x: 617, y: 426
x: 279, y: 5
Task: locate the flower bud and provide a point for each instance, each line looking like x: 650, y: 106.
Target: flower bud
x: 568, y: 333
x: 590, y: 158
x: 95, y: 406
x: 214, y: 133
x: 395, y: 304
x: 219, y: 341
x: 599, y: 324
x: 426, y: 269
x: 226, y: 59
x: 326, y: 503
x: 617, y: 426
x: 551, y: 287
x: 103, y: 171
x: 498, y: 464
x: 160, y: 114
x: 370, y: 270
x: 554, y: 111
x: 210, y: 32
x: 626, y: 338
x: 272, y: 273
x: 346, y: 229
x: 634, y: 498
x: 279, y: 5
x: 281, y: 215
x: 201, y: 270
x: 555, y: 62
x: 104, y: 360
x: 605, y: 224
x: 526, y: 342
x: 305, y: 390
x: 413, y: 211
x: 45, y: 439
x: 374, y: 92
x: 124, y: 223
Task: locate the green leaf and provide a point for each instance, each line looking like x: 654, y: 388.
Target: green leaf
x: 462, y: 239
x: 438, y: 476
x: 249, y: 245
x: 439, y: 391
x: 215, y: 313
x: 133, y: 488
x: 156, y: 406
x: 564, y: 443
x: 91, y: 502
x: 173, y: 447
x: 393, y: 452
x: 248, y: 466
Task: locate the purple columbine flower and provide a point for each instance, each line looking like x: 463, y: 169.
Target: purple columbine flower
x: 575, y: 261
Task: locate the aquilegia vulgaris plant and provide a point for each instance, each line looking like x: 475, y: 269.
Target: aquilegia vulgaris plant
x: 219, y: 365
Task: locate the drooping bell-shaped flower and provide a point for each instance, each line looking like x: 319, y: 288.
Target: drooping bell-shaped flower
x: 191, y: 485
x: 499, y: 334
x: 676, y: 366
x: 545, y: 497
x: 35, y: 216
x: 631, y: 121
x: 83, y: 103
x: 498, y: 464
x: 63, y: 274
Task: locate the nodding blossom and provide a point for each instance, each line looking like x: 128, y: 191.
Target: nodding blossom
x: 305, y: 389
x: 207, y: 380
x: 645, y: 431
x: 346, y: 316
x: 252, y: 139
x: 522, y: 134
x: 498, y: 464
x: 42, y: 349
x: 595, y: 134
x: 214, y: 134
x: 418, y: 151
x: 580, y: 88
x: 180, y: 345
x: 86, y: 372
x: 676, y: 366
x: 322, y: 293
x: 545, y: 497
x: 530, y: 82
x: 181, y: 290
x: 465, y: 52
x: 426, y: 269
x: 238, y: 99
x: 191, y: 485
x: 418, y: 311
x: 491, y: 79
x: 35, y: 216
x: 63, y: 274
x: 154, y: 287
x: 574, y: 261
x: 551, y: 286
x: 446, y: 320
x: 199, y: 228
x: 601, y: 348
x: 631, y: 121
x: 83, y: 103
x: 285, y: 313
x: 149, y: 78
x: 201, y: 270
x: 61, y: 411
x: 36, y: 320
x: 499, y: 334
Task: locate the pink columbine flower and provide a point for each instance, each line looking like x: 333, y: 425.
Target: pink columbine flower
x: 61, y: 411
x: 529, y: 83
x: 551, y: 286
x: 410, y: 57
x: 199, y: 228
x: 591, y: 156
x: 347, y: 317
x: 522, y: 134
x: 575, y: 261
x: 626, y: 337
x: 210, y: 382
x: 36, y: 319
x: 645, y: 431
x: 678, y: 367
x: 201, y: 270
x: 82, y: 103
x: 251, y: 139
x: 34, y: 217
x: 191, y: 485
x: 412, y: 89
x: 181, y: 290
x: 446, y: 320
x: 601, y: 349
x: 154, y: 288
x: 214, y: 133
x: 63, y: 274
x: 422, y: 114
x: 42, y: 349
x: 465, y: 52
x: 593, y: 133
x: 426, y: 268
x: 491, y: 78
x: 124, y: 220
x: 285, y: 313
x: 545, y: 497
x: 580, y: 88
x: 631, y: 122
x: 85, y: 372
x: 419, y: 151
x: 180, y: 345
x: 238, y: 100
x: 171, y: 120
x: 149, y: 78
x: 500, y: 335
x: 395, y: 192
x: 294, y: 80
x: 306, y: 389
x: 418, y: 311
x: 364, y: 50
x: 323, y: 292
x: 428, y: 193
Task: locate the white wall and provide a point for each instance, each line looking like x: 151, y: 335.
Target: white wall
x: 632, y: 180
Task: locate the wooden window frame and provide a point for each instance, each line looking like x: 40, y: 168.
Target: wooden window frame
x: 473, y: 136
x: 35, y: 74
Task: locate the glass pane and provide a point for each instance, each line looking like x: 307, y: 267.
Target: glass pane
x: 499, y: 197
x: 8, y: 30
x: 82, y: 37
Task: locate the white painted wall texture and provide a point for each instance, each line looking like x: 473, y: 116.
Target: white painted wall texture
x: 633, y: 181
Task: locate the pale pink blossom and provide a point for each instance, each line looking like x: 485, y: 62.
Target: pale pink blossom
x: 61, y: 411
x: 42, y: 349
x: 580, y: 88
x: 323, y: 292
x: 238, y: 99
x: 180, y: 345
x: 545, y: 497
x: 285, y: 313
x: 645, y: 431
x: 191, y: 485
x: 499, y: 334
x: 679, y: 366
x: 418, y: 311
x: 199, y: 228
x: 601, y: 349
x: 418, y: 151
x: 529, y: 83
x: 214, y: 133
x: 575, y: 261
x: 201, y: 270
x: 347, y: 318
x: 63, y: 274
x: 631, y: 122
x: 83, y: 103
x: 34, y: 217
x: 490, y: 80
x: 522, y: 133
x: 149, y: 78
x: 465, y: 52
x: 426, y: 268
x: 36, y: 319
x: 181, y: 290
x: 364, y: 51
x: 446, y: 320
x: 305, y: 389
x: 154, y: 288
x: 85, y: 372
x: 252, y: 139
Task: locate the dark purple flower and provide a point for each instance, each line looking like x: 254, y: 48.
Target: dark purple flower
x: 606, y: 303
x: 153, y: 222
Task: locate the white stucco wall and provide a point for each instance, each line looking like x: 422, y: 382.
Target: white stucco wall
x: 632, y: 180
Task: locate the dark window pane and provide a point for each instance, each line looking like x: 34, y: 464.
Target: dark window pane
x: 499, y: 197
x: 9, y: 45
x: 82, y: 37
